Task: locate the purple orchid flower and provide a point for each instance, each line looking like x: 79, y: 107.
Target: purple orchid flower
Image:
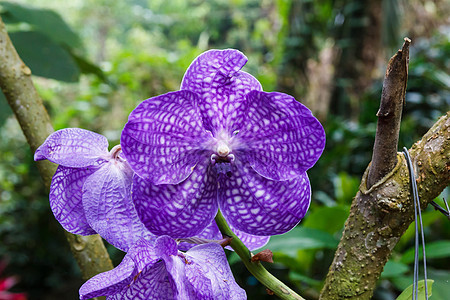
x: 91, y: 189
x: 221, y: 142
x: 159, y: 271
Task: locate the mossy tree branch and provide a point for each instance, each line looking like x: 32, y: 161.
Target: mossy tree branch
x: 16, y: 84
x: 382, y: 210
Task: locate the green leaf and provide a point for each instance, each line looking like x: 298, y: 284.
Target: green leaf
x: 428, y: 218
x: 295, y: 276
x: 437, y: 249
x: 44, y: 57
x: 407, y: 293
x: 393, y: 269
x: 45, y: 21
x: 233, y: 258
x: 87, y: 67
x: 345, y: 187
x: 328, y: 219
x: 301, y: 238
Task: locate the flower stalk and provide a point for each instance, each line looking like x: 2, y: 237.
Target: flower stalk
x: 256, y: 268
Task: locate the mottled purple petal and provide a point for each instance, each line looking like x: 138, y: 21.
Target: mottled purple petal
x: 198, y: 283
x: 260, y: 206
x: 153, y: 283
x: 181, y: 210
x: 211, y: 259
x: 73, y: 147
x: 66, y: 199
x: 110, y: 282
x: 252, y: 242
x: 165, y: 246
x: 164, y: 137
x: 109, y: 208
x: 143, y: 253
x: 279, y: 136
x: 215, y: 76
x: 175, y: 266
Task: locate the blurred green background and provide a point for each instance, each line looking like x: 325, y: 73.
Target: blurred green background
x: 95, y: 60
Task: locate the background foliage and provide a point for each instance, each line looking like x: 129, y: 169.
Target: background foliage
x: 95, y: 60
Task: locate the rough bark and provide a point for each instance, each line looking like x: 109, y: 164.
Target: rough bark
x: 16, y: 84
x: 384, y: 157
x: 380, y: 215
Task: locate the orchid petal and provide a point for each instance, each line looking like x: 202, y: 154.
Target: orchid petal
x: 280, y: 137
x: 181, y: 210
x: 143, y: 253
x: 66, y: 199
x: 73, y: 147
x: 211, y: 260
x: 215, y: 76
x: 252, y: 242
x: 260, y: 206
x: 108, y: 206
x: 175, y: 266
x: 153, y: 283
x: 163, y: 139
x: 110, y: 282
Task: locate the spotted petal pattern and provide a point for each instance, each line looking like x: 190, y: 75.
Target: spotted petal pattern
x: 164, y: 273
x: 181, y: 210
x: 73, y: 147
x: 259, y: 206
x: 153, y: 283
x: 279, y: 136
x: 66, y: 199
x: 110, y: 282
x: 215, y: 76
x: 222, y: 282
x: 164, y: 136
x: 108, y: 206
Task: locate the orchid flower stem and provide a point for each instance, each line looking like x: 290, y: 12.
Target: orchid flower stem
x: 256, y: 268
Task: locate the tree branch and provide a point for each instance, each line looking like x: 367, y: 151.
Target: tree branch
x: 16, y: 84
x: 380, y: 215
x: 384, y: 156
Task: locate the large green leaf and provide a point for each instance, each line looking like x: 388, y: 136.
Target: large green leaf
x: 328, y: 219
x: 345, y: 187
x: 301, y: 238
x: 87, y: 67
x: 296, y: 276
x: 407, y: 293
x: 437, y: 249
x: 44, y: 57
x: 393, y: 269
x: 45, y: 21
